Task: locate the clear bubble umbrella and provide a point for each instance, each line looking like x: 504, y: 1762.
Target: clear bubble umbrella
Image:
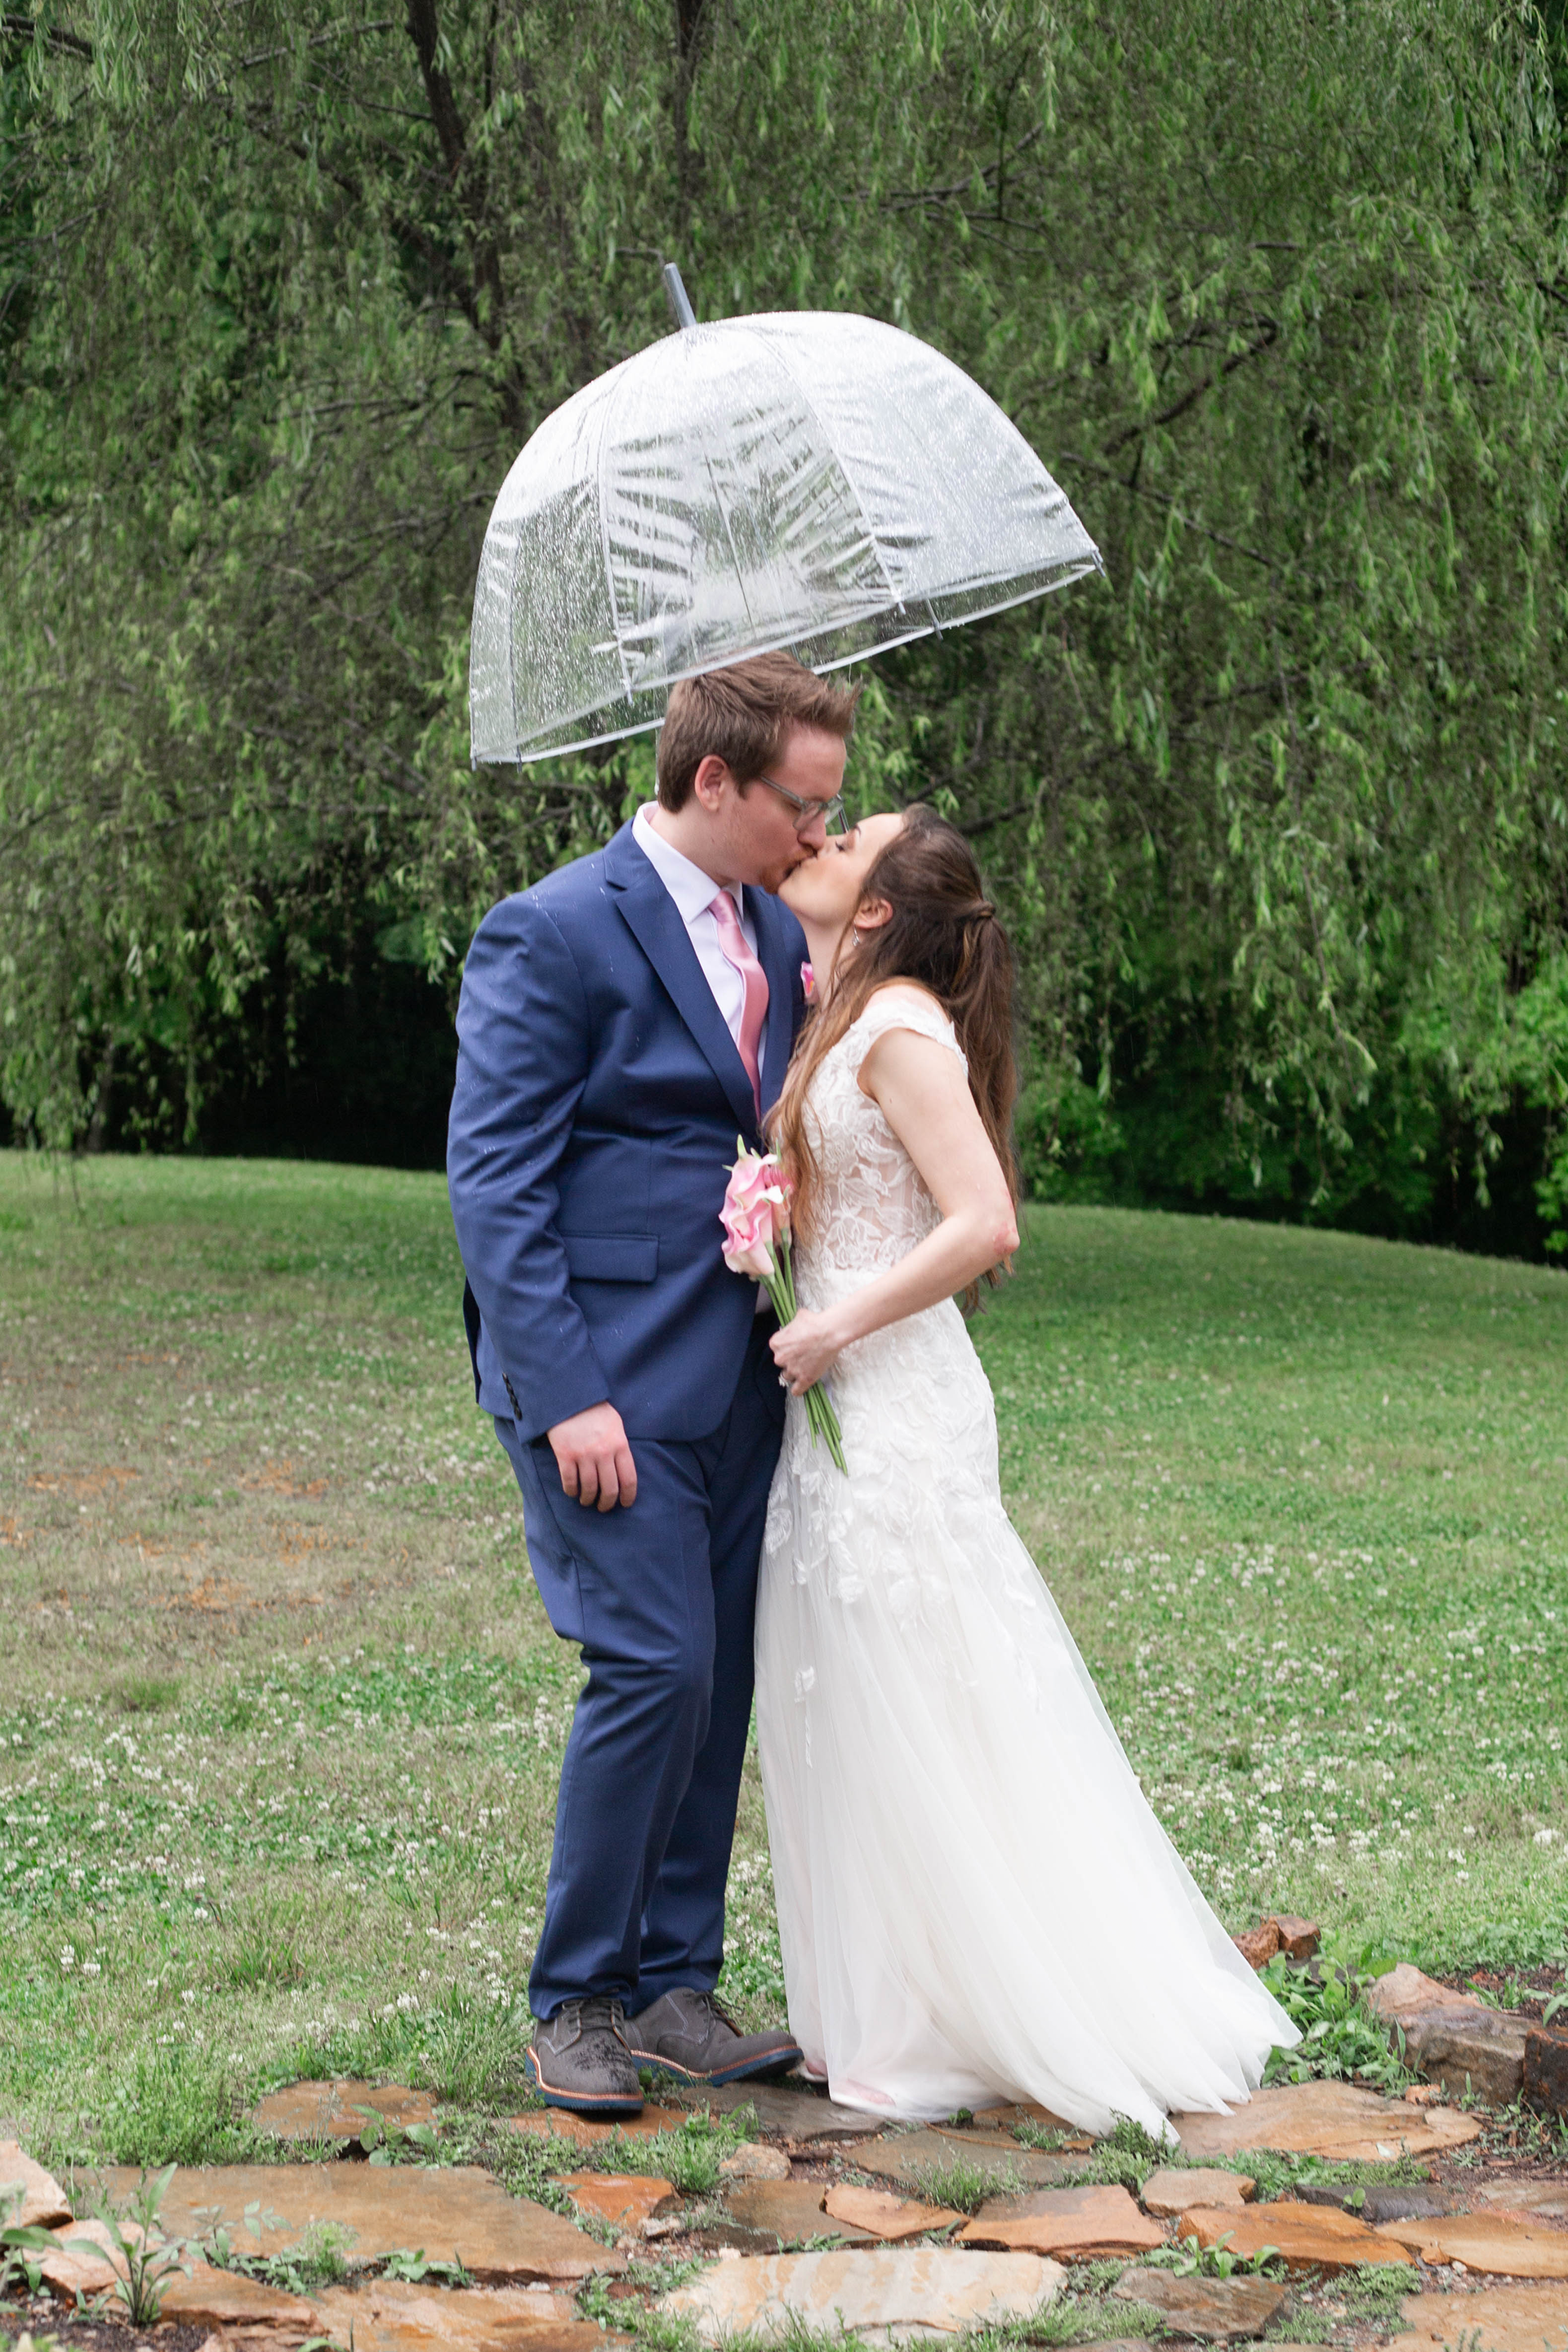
x: 810, y: 479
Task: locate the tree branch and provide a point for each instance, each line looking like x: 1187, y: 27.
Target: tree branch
x: 26, y: 28
x: 467, y: 175
x: 1261, y: 343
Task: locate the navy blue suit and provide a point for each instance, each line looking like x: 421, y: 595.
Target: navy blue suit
x: 598, y: 1098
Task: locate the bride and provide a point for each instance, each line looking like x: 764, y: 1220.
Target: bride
x: 975, y: 1902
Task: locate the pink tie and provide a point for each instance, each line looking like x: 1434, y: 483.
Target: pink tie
x: 753, y: 978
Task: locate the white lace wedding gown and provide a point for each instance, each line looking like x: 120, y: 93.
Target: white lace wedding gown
x: 975, y: 1902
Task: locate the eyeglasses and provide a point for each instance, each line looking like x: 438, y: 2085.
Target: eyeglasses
x: 807, y: 812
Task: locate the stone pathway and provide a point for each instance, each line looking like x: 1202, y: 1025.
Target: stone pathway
x: 910, y: 2157
x: 387, y: 2316
x: 451, y: 2213
x: 891, y: 2290
x: 788, y: 2212
x: 552, y: 2123
x: 1306, y: 2237
x: 314, y: 2111
x: 1170, y: 2190
x: 626, y: 2199
x: 800, y: 2236
x: 1331, y: 2119
x: 1080, y: 2225
x: 1218, y: 2311
x: 1501, y: 2319
x: 885, y: 2217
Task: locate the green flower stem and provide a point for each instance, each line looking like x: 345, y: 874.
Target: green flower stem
x: 821, y: 1419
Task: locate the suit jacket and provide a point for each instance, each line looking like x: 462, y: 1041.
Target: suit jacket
x: 598, y: 1097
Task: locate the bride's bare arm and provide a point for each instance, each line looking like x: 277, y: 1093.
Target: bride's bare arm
x: 923, y: 1094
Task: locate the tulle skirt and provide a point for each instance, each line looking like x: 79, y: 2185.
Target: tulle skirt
x: 975, y: 1902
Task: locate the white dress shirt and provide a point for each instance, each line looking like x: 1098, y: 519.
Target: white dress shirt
x: 693, y: 893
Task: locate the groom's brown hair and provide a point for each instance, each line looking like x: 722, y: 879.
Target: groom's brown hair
x: 743, y: 715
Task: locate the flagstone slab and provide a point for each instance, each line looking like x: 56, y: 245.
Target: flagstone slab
x: 1451, y: 2037
x: 1217, y: 2310
x: 1547, y: 2200
x: 789, y: 2210
x: 1306, y: 2237
x: 392, y: 2315
x: 1077, y: 2224
x: 1173, y: 2189
x: 1544, y: 2076
x: 330, y: 2110
x: 911, y: 2157
x: 450, y: 2214
x: 787, y: 2110
x: 1416, y: 2202
x: 76, y: 2270
x: 554, y: 2122
x: 1328, y: 2120
x: 1004, y: 2117
x: 755, y: 2160
x: 1503, y: 2245
x: 228, y: 2301
x: 885, y: 2294
x: 1118, y: 2344
x: 30, y: 2198
x: 624, y: 2199
x: 1491, y: 2319
x: 882, y: 2216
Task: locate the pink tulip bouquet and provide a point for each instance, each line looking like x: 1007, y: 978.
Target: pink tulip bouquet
x: 755, y: 1218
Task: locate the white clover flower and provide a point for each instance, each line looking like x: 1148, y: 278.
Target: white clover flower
x: 67, y: 1956
x: 1545, y: 1837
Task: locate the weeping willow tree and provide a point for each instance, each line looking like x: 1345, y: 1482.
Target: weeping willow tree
x: 1278, y: 812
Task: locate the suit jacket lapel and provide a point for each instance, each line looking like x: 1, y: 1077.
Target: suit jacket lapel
x: 655, y: 923
x: 778, y: 1032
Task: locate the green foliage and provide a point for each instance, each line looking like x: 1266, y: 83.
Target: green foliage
x: 146, y: 1694
x: 263, y: 1946
x: 148, y: 2258
x: 22, y: 2249
x: 1191, y: 2260
x: 1340, y: 2038
x: 1075, y: 2318
x: 172, y: 2105
x: 411, y: 2266
x: 1376, y: 2291
x: 318, y: 2258
x: 688, y: 2159
x: 964, y: 2184
x: 1278, y: 292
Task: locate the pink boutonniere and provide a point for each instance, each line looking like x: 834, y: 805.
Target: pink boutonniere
x: 808, y: 981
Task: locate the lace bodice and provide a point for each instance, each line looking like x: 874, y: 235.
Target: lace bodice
x: 873, y: 1207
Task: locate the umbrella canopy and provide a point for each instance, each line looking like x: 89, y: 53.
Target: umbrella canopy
x: 808, y: 479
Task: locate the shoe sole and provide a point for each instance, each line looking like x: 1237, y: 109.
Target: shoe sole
x: 750, y: 2070
x: 579, y: 2103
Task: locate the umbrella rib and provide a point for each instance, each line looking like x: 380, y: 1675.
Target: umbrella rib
x: 729, y: 539
x: 605, y: 544
x: 854, y: 485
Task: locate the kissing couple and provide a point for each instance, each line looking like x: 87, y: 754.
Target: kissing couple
x: 975, y: 1902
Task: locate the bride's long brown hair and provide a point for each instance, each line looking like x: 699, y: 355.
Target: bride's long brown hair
x: 944, y: 935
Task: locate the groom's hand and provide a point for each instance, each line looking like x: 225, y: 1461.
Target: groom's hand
x: 595, y: 1459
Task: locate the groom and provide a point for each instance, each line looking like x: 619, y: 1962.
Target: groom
x: 620, y: 1023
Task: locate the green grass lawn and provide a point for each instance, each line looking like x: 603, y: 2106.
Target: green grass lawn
x: 281, y: 1714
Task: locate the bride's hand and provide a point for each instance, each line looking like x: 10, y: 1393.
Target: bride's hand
x: 804, y: 1351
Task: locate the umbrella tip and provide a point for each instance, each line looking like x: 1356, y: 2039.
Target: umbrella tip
x: 680, y: 300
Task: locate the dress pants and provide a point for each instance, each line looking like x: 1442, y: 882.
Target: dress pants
x: 662, y: 1597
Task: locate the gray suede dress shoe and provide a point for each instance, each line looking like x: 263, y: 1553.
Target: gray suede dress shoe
x: 580, y: 2061
x: 687, y: 2033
